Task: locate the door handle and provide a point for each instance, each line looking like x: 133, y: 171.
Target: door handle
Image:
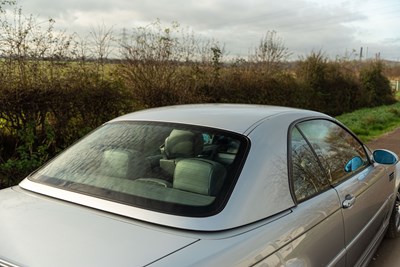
x: 349, y: 201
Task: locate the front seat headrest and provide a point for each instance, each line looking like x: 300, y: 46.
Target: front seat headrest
x: 182, y: 143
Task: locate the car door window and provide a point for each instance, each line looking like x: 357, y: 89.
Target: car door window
x: 308, y: 178
x: 340, y: 154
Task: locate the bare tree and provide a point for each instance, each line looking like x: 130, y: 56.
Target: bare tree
x: 162, y: 64
x: 102, y: 38
x: 4, y: 3
x: 271, y: 52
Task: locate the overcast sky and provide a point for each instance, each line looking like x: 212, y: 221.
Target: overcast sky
x: 334, y: 26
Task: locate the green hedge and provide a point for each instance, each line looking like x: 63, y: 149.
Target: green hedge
x: 46, y: 106
x: 42, y: 113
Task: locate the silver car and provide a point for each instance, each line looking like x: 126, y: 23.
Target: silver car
x: 205, y: 185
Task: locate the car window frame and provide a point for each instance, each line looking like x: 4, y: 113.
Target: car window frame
x: 290, y: 164
x: 292, y: 126
x: 362, y: 145
x: 183, y: 210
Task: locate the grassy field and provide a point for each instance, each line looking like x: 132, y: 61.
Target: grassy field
x: 370, y: 123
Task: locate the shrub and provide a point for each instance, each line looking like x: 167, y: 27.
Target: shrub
x: 376, y: 86
x: 338, y: 88
x: 30, y: 153
x: 49, y: 94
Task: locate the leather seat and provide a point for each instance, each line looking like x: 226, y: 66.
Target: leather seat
x: 199, y: 176
x: 123, y: 163
x: 115, y: 163
x: 180, y: 144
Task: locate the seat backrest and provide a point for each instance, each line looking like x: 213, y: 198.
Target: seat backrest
x: 199, y: 176
x: 115, y: 163
x: 182, y: 143
x: 227, y: 151
x: 123, y: 163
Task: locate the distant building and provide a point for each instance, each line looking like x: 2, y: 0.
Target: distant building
x: 395, y: 85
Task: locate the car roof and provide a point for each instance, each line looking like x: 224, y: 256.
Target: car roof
x: 240, y: 118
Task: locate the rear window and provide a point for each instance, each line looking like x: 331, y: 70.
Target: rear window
x: 172, y: 168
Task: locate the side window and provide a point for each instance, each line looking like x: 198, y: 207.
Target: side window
x: 308, y: 178
x: 338, y: 151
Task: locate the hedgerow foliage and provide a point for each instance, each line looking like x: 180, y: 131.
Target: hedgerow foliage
x: 56, y: 87
x: 50, y: 95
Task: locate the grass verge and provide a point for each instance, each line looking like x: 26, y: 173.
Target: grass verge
x: 370, y: 123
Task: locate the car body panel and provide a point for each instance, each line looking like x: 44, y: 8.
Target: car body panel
x: 78, y: 231
x: 372, y: 190
x: 277, y: 242
x: 40, y: 231
x: 237, y: 118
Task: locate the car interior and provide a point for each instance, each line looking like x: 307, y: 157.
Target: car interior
x: 187, y: 167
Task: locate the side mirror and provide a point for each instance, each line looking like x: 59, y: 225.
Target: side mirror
x: 353, y: 164
x: 383, y: 156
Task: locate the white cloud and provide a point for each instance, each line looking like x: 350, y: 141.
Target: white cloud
x: 332, y: 26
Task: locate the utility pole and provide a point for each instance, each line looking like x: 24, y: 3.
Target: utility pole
x: 124, y: 39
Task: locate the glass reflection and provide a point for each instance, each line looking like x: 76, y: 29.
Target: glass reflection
x: 334, y: 146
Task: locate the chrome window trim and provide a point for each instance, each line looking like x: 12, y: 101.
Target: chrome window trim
x: 4, y: 263
x: 127, y: 211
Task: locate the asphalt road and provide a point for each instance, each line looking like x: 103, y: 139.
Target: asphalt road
x: 388, y: 253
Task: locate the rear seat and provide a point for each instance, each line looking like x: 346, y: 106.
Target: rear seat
x: 225, y: 158
x: 200, y: 176
x: 196, y: 181
x: 228, y: 155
